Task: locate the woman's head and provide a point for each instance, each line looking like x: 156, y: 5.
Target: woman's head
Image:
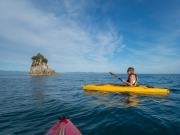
x: 131, y: 70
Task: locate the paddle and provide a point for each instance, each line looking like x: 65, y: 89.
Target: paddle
x: 116, y: 76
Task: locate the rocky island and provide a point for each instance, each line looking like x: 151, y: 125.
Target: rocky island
x: 40, y: 67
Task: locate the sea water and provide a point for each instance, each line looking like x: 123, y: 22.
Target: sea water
x: 31, y: 105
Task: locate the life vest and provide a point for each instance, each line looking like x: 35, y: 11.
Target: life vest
x: 135, y: 83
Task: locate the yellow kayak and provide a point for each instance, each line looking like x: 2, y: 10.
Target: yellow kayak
x: 124, y: 88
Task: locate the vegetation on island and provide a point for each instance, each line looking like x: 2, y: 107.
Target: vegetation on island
x: 39, y: 58
x: 39, y: 66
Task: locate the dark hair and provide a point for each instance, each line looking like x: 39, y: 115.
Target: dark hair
x: 131, y: 69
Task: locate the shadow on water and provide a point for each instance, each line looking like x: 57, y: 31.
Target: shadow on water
x: 122, y: 99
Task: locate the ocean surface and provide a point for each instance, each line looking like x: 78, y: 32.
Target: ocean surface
x: 31, y: 105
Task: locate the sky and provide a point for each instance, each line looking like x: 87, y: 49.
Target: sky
x: 91, y: 35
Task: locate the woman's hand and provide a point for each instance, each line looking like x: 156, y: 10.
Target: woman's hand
x: 123, y: 81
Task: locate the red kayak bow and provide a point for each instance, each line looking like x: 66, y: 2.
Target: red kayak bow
x: 63, y: 127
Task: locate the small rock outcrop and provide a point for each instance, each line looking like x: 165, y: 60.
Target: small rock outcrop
x: 40, y: 67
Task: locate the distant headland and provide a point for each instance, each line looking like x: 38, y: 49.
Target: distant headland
x: 40, y: 67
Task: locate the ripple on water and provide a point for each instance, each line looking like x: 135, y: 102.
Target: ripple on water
x: 31, y: 105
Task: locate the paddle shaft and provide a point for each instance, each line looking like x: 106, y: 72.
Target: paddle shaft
x: 116, y: 76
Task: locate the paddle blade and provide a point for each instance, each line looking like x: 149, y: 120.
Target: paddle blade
x: 116, y: 76
x: 113, y: 74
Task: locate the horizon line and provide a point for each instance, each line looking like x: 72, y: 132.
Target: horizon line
x: 88, y: 72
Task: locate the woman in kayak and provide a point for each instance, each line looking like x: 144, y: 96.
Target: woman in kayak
x: 132, y: 78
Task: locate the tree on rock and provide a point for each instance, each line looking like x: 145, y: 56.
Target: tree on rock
x: 39, y: 58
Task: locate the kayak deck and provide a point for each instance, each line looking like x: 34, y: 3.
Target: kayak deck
x: 124, y: 88
x: 63, y: 127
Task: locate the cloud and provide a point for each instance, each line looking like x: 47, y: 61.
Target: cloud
x: 86, y: 35
x: 61, y: 37
x: 150, y: 57
x: 158, y: 49
x: 121, y: 48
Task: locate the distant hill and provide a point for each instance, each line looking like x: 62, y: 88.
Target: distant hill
x: 10, y: 72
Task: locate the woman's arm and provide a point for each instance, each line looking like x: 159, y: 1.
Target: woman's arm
x: 131, y: 79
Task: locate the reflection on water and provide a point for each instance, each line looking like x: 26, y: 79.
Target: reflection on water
x: 132, y: 100
x: 38, y: 85
x: 122, y: 99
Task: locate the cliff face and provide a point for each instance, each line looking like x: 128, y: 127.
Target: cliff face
x: 40, y: 67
